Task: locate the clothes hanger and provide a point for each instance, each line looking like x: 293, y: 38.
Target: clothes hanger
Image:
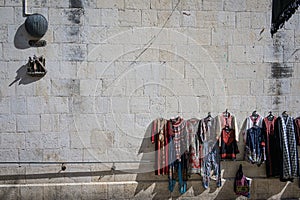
x: 285, y: 114
x: 270, y: 117
x: 226, y: 113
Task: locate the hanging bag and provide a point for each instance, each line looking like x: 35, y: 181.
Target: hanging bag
x: 241, y: 183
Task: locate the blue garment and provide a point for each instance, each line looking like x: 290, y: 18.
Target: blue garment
x: 255, y: 146
x: 212, y: 162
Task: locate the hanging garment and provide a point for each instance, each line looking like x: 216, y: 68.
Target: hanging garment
x: 160, y: 138
x: 178, y: 131
x: 249, y: 123
x: 207, y: 135
x: 228, y: 148
x: 272, y: 150
x: 284, y: 129
x: 209, y: 150
x: 255, y: 146
x: 282, y: 10
x: 194, y: 146
x: 178, y: 169
x: 226, y: 119
x: 297, y: 126
x: 211, y: 161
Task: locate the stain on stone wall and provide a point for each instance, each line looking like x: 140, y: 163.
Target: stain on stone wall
x: 75, y: 15
x: 76, y: 4
x: 279, y: 71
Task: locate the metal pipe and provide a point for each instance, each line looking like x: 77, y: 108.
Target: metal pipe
x: 25, y: 14
x: 72, y: 162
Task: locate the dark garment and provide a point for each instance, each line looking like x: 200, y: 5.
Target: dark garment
x: 282, y: 10
x: 297, y: 126
x: 228, y: 148
x: 255, y: 146
x: 272, y: 150
x: 284, y: 130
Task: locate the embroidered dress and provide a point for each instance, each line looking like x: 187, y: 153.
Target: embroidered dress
x: 227, y: 120
x: 194, y: 146
x: 228, y: 148
x: 160, y: 138
x: 272, y: 150
x: 289, y: 168
x: 179, y: 136
x: 178, y: 159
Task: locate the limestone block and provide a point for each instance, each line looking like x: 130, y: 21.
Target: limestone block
x: 53, y: 52
x: 18, y: 105
x: 264, y: 102
x: 34, y: 140
x: 2, y: 2
x: 69, y: 34
x: 189, y: 104
x: 244, y: 36
x: 4, y: 33
x: 85, y: 105
x: 238, y: 87
x: 74, y: 52
x: 172, y: 104
x: 232, y: 5
x: 293, y: 103
x: 67, y: 123
x: 111, y: 4
x: 12, y: 140
x: 31, y: 155
x: 43, y: 88
x: 257, y: 87
x: 237, y: 53
x: 188, y: 18
x: 90, y: 87
x: 64, y: 87
x: 215, y: 54
x: 161, y: 4
x: 115, y: 191
x: 165, y: 19
x: 50, y: 123
x: 5, y: 106
x: 258, y: 20
x: 28, y: 123
x: 273, y: 53
x: 94, y: 191
x: 245, y: 71
x: 130, y: 17
x: 132, y: 4
x: 149, y: 18
x: 10, y: 54
x: 199, y: 36
x: 97, y: 34
x: 222, y: 36
x: 243, y: 20
x: 63, y: 155
x: 258, y: 5
x: 57, y: 105
x: 139, y: 104
x: 189, y: 5
x: 175, y: 69
x: 212, y: 5
x: 109, y: 17
x: 7, y: 15
x: 207, y: 19
x: 279, y: 103
x: 9, y: 155
x: 88, y: 122
x: 277, y: 87
x: 248, y: 103
x: 32, y: 192
x: 35, y: 105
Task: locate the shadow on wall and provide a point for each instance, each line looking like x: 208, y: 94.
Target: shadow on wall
x: 23, y: 77
x: 21, y: 39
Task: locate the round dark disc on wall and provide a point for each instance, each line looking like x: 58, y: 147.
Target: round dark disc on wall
x: 36, y: 25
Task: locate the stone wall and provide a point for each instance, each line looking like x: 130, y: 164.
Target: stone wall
x: 116, y: 65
